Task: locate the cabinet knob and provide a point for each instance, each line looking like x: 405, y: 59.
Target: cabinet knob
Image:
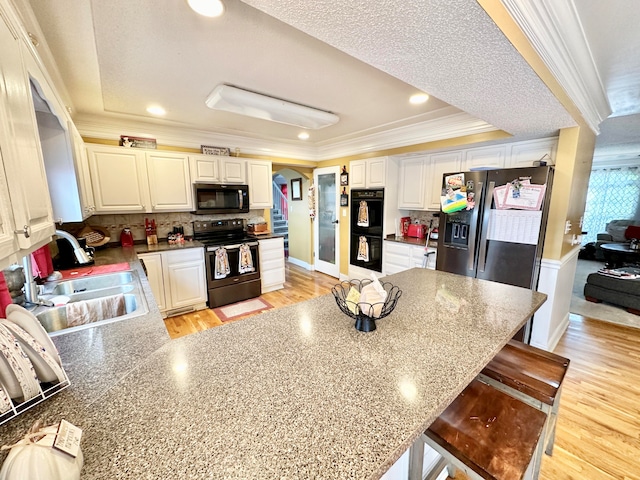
x: 26, y: 231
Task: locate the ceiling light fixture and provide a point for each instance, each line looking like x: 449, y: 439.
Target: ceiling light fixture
x: 418, y: 98
x: 252, y: 104
x: 156, y: 110
x: 207, y: 8
x: 303, y: 136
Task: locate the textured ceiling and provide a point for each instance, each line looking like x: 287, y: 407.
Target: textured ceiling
x: 450, y: 48
x: 121, y: 56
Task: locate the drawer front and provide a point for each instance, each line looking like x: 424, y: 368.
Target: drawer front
x: 184, y: 256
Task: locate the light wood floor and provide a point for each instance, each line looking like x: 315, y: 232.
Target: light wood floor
x: 300, y: 285
x: 598, y: 430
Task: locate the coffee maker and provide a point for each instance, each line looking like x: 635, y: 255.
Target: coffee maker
x: 66, y: 257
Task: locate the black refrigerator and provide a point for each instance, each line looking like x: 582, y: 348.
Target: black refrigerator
x: 499, y: 235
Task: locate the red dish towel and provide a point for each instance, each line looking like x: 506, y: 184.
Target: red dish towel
x: 5, y: 297
x: 41, y: 264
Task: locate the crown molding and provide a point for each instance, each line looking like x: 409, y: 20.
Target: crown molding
x: 449, y: 126
x: 555, y: 32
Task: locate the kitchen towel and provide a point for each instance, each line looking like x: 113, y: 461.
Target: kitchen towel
x: 5, y: 297
x: 363, y: 249
x: 89, y: 311
x: 41, y: 263
x: 221, y: 269
x: 246, y: 260
x: 363, y: 214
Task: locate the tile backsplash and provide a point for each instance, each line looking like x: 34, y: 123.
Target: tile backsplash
x: 164, y: 223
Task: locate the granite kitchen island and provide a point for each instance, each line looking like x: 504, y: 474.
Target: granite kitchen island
x: 297, y: 392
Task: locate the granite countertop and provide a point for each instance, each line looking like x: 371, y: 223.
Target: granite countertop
x: 412, y: 241
x: 295, y: 392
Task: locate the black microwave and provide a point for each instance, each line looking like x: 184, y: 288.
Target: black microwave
x: 216, y: 198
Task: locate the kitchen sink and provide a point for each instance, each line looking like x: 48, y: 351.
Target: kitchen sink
x: 92, y: 283
x: 89, y: 290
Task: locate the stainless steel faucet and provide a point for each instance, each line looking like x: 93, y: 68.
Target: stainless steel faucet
x: 31, y: 294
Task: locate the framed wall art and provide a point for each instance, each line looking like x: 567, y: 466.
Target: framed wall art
x: 296, y: 189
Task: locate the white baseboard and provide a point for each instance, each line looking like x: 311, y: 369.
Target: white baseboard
x: 301, y: 263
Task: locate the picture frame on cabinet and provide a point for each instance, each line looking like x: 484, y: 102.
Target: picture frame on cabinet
x: 296, y: 189
x: 137, y: 142
x: 209, y: 150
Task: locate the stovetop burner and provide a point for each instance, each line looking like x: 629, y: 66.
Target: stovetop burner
x: 220, y: 232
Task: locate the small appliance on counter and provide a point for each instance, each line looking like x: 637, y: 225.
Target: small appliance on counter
x: 404, y: 226
x: 416, y: 230
x: 126, y: 237
x: 66, y: 257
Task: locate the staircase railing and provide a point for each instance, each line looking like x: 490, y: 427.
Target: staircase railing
x: 280, y: 201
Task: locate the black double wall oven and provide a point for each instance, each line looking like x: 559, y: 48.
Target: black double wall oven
x: 367, y: 215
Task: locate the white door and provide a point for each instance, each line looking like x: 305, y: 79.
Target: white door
x: 326, y: 227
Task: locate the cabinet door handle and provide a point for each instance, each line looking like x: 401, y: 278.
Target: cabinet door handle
x: 26, y: 231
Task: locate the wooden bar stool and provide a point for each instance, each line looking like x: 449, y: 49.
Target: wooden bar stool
x: 489, y: 435
x: 532, y: 375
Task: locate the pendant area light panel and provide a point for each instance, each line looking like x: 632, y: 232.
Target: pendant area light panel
x: 252, y: 104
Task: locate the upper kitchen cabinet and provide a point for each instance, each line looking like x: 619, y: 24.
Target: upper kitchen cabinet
x: 119, y: 179
x: 217, y: 169
x: 440, y: 163
x: 129, y: 180
x: 523, y: 154
x: 369, y: 173
x: 412, y: 181
x: 65, y: 159
x: 483, y: 158
x: 259, y: 178
x: 169, y: 182
x: 29, y: 202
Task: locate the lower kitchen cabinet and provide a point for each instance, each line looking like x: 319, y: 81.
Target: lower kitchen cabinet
x: 177, y: 279
x: 399, y: 257
x: 271, y: 253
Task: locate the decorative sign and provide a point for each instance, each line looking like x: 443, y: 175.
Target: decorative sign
x: 344, y: 198
x: 344, y: 176
x: 137, y: 142
x: 68, y: 438
x: 208, y: 150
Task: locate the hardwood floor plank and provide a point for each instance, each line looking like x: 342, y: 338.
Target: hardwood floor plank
x: 300, y: 285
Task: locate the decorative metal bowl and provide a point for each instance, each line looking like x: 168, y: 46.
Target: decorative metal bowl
x: 362, y: 312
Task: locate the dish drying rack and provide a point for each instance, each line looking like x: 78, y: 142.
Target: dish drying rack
x: 47, y: 392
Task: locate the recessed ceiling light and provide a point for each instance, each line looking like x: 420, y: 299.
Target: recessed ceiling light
x: 156, y: 110
x: 303, y: 136
x: 418, y: 98
x: 207, y: 8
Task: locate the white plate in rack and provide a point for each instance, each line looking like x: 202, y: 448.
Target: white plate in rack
x: 5, y: 401
x: 45, y: 365
x: 16, y: 371
x: 30, y: 324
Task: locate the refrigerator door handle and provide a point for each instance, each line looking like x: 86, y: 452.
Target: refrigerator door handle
x: 472, y: 236
x: 482, y: 257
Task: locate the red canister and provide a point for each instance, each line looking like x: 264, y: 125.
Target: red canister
x: 126, y: 238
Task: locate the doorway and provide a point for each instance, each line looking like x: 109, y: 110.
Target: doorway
x: 326, y: 228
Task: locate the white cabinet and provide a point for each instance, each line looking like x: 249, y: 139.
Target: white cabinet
x: 153, y: 268
x: 119, y: 179
x: 28, y: 202
x: 399, y: 257
x: 369, y: 173
x: 272, y: 269
x: 169, y: 182
x: 177, y: 279
x: 217, y: 169
x: 259, y: 176
x: 81, y: 160
x: 412, y: 180
x: 232, y: 170
x: 440, y: 163
x: 523, y: 154
x: 484, y: 158
x: 129, y: 180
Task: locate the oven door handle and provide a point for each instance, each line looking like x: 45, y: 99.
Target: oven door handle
x: 232, y: 247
